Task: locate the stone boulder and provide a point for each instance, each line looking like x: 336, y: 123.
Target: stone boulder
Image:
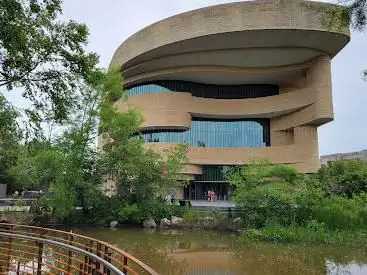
x: 176, y: 220
x: 165, y: 223
x: 150, y: 223
x: 114, y: 224
x: 210, y: 219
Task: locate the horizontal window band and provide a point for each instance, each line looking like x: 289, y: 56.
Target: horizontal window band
x: 205, y: 90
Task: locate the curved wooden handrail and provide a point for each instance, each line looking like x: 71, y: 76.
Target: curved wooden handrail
x: 102, y: 249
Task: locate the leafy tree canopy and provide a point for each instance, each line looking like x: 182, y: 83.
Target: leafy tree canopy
x: 347, y: 13
x: 10, y: 135
x: 259, y: 172
x: 44, y: 56
x: 138, y: 173
x: 271, y: 193
x: 344, y: 178
x: 75, y: 172
x: 356, y: 13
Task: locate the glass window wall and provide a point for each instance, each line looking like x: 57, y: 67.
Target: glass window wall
x: 216, y: 133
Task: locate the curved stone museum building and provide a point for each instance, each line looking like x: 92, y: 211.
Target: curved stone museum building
x: 235, y: 82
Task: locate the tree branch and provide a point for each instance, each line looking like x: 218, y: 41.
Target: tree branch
x: 17, y: 78
x: 42, y: 78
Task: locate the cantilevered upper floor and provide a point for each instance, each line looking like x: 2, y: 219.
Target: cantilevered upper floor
x: 235, y: 81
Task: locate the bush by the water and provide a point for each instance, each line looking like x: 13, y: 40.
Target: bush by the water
x: 342, y: 213
x: 280, y: 205
x: 344, y: 178
x: 306, y: 234
x: 156, y: 209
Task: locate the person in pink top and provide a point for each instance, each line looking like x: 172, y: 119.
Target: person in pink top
x: 212, y: 196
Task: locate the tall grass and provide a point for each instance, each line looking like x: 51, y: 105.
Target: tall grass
x: 280, y: 234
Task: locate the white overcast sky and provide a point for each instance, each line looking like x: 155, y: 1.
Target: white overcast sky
x: 112, y: 21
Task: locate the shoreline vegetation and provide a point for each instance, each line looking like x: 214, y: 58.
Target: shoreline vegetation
x: 304, y: 235
x: 275, y: 204
x: 269, y: 234
x: 283, y: 206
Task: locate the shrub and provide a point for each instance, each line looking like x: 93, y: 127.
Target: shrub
x: 156, y: 209
x: 314, y: 225
x: 278, y: 203
x: 344, y: 177
x: 40, y: 211
x: 129, y: 213
x: 271, y: 234
x: 190, y: 215
x: 274, y: 194
x: 219, y: 215
x: 342, y: 213
x: 137, y: 213
x: 316, y: 234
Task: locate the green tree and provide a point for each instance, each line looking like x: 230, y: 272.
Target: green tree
x: 138, y: 173
x: 347, y: 13
x: 344, y: 177
x: 44, y: 56
x: 71, y: 168
x: 38, y: 172
x: 10, y: 135
x: 274, y: 194
x: 66, y: 164
x: 357, y: 17
x: 78, y: 184
x: 355, y: 14
x: 261, y: 171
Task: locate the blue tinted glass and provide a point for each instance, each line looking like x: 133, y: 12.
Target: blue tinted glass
x: 147, y: 89
x: 205, y: 90
x: 216, y: 133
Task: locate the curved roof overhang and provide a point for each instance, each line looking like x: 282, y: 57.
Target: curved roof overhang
x: 237, y: 43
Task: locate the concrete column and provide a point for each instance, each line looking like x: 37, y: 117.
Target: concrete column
x: 318, y: 77
x: 307, y: 150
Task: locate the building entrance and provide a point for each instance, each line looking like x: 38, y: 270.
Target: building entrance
x: 199, y: 190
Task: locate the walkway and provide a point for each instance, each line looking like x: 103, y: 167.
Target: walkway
x: 218, y: 204
x: 38, y: 250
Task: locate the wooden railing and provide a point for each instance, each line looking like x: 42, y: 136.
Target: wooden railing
x: 38, y: 250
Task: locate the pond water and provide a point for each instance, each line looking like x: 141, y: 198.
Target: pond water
x: 176, y: 252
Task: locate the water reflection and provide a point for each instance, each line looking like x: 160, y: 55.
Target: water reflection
x: 177, y: 252
x: 346, y: 269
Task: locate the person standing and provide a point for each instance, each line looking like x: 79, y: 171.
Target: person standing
x: 212, y: 195
x: 209, y: 193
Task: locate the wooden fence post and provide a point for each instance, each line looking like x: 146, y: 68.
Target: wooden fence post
x: 10, y: 240
x: 40, y: 259
x: 90, y: 261
x: 71, y: 239
x: 98, y: 265
x: 86, y: 261
x: 125, y: 264
x: 108, y: 259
